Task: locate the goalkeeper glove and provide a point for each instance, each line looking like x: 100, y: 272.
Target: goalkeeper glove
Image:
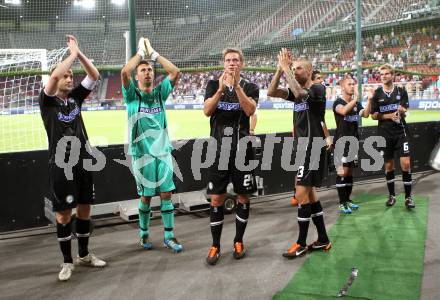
x: 142, y: 51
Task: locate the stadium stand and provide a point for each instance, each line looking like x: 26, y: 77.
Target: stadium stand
x: 266, y: 22
x: 262, y: 23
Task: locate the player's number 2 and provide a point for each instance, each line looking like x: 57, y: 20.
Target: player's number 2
x: 247, y: 180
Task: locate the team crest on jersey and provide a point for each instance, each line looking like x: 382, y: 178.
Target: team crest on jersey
x: 355, y: 108
x: 69, y: 199
x: 71, y: 100
x: 398, y: 97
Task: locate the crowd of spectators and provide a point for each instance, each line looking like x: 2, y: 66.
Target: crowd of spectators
x: 416, y: 50
x: 191, y: 88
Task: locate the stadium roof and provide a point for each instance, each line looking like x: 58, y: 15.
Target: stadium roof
x: 46, y: 9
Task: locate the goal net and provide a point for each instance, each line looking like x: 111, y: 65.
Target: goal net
x: 25, y: 73
x: 192, y: 34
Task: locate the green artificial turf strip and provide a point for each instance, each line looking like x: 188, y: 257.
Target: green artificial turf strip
x: 387, y: 245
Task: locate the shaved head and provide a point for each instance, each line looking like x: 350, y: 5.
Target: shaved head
x: 305, y: 63
x: 303, y: 70
x: 348, y: 85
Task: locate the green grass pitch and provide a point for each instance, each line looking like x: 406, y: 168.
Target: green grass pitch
x: 26, y: 132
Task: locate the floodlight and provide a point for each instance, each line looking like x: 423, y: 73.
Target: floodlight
x: 14, y: 2
x: 88, y: 4
x: 118, y: 2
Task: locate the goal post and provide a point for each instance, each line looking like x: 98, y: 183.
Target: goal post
x: 19, y: 95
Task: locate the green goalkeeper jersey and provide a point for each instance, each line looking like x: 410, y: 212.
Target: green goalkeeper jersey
x: 147, y: 122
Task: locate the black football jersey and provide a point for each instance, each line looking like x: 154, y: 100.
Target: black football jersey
x: 63, y: 118
x: 229, y: 113
x: 346, y: 125
x: 385, y: 103
x: 308, y: 112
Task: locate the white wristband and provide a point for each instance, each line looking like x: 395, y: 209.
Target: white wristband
x: 88, y: 83
x: 154, y: 56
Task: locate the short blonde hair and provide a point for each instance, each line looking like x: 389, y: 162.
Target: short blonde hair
x: 387, y: 67
x: 233, y: 50
x: 345, y: 78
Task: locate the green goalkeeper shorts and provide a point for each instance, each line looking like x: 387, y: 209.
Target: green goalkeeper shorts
x: 153, y: 175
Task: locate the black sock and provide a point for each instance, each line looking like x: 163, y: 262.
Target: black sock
x: 390, y: 182
x: 217, y: 216
x: 304, y: 213
x: 407, y: 183
x: 348, y: 186
x: 340, y: 186
x: 241, y: 218
x: 318, y: 220
x: 83, y: 233
x: 64, y: 235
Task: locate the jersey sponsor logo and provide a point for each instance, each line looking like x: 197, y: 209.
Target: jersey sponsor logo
x: 381, y: 100
x: 388, y: 107
x: 150, y: 110
x: 281, y: 105
x: 398, y: 97
x: 228, y: 106
x: 71, y: 100
x: 70, y: 117
x: 301, y: 106
x: 351, y: 118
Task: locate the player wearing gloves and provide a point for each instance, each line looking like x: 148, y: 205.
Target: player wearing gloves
x: 149, y: 144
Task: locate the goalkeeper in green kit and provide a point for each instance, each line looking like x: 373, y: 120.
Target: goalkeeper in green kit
x: 149, y: 144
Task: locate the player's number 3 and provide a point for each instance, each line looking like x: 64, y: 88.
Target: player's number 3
x: 300, y: 172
